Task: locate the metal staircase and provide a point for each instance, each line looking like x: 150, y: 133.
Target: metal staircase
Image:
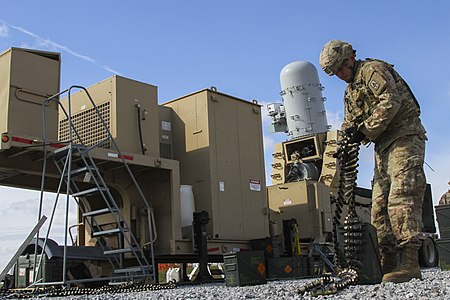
x: 82, y: 179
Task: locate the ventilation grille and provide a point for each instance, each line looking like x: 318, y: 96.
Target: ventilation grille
x: 165, y: 150
x: 89, y: 126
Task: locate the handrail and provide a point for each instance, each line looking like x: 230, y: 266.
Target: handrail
x: 141, y: 194
x: 72, y: 129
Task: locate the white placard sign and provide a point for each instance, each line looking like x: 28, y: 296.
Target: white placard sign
x: 255, y: 185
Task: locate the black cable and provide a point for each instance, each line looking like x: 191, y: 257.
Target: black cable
x: 138, y: 110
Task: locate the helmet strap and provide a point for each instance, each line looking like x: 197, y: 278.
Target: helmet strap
x: 351, y: 67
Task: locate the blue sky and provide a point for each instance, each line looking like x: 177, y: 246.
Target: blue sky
x: 240, y: 47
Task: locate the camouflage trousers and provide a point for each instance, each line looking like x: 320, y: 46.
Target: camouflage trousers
x: 398, y: 191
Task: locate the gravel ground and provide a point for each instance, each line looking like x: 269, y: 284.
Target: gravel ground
x: 435, y: 285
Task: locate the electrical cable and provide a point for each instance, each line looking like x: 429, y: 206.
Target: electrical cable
x: 138, y: 110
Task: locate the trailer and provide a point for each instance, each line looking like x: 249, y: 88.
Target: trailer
x: 124, y: 158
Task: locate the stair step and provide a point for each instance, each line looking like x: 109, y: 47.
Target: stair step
x: 82, y: 170
x: 89, y: 191
x: 120, y: 251
x: 65, y: 149
x: 102, y: 211
x: 109, y: 232
x: 132, y: 269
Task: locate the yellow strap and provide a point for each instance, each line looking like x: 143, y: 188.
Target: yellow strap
x: 298, y: 250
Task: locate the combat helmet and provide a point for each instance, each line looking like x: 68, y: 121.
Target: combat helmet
x: 333, y: 55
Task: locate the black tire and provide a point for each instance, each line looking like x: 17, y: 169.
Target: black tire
x: 428, y: 254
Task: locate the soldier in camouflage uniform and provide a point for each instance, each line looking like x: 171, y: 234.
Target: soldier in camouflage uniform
x: 380, y: 108
x: 445, y: 198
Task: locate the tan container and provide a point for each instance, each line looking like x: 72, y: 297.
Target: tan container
x: 117, y: 98
x: 27, y: 79
x: 307, y: 202
x: 218, y: 141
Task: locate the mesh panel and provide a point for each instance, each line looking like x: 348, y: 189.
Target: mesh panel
x: 89, y: 126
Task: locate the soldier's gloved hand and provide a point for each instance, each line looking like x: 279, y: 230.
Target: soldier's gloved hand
x: 355, y: 135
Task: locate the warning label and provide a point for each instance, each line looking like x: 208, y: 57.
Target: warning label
x: 166, y: 126
x: 255, y: 185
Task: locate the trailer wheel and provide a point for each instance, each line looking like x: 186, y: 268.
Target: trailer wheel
x: 428, y: 255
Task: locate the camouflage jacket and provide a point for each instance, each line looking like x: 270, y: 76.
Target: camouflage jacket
x: 381, y: 104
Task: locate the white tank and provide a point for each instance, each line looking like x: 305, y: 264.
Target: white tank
x: 302, y: 99
x: 187, y: 205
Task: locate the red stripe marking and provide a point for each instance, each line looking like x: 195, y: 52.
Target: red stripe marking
x: 57, y: 145
x: 21, y: 140
x: 213, y: 249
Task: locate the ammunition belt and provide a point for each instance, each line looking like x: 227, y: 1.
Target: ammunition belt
x: 347, y: 263
x: 74, y: 291
x: 328, y: 285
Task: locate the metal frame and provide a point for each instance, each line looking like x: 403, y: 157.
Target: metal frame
x: 64, y: 165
